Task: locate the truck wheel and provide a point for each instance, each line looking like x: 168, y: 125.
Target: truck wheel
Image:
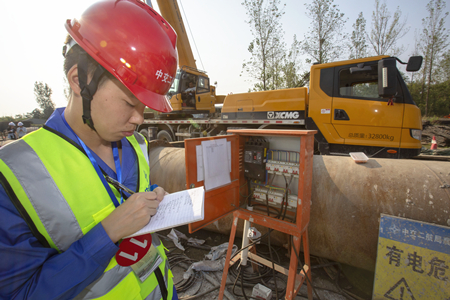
x: 144, y: 132
x: 165, y: 136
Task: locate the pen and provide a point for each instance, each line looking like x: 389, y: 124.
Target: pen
x: 118, y: 185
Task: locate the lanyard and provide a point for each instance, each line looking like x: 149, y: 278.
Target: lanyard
x: 97, y: 168
x: 118, y: 168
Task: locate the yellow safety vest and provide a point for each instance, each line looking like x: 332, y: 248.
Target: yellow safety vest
x: 54, y: 187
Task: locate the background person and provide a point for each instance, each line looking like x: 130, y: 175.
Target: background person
x: 191, y: 87
x: 62, y: 222
x: 12, y: 135
x: 21, y: 130
x: 189, y: 98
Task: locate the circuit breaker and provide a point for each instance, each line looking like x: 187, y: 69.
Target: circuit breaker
x: 255, y: 153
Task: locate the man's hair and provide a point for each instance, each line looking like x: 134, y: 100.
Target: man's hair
x: 72, y: 56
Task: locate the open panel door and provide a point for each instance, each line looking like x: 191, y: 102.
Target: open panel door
x: 219, y: 201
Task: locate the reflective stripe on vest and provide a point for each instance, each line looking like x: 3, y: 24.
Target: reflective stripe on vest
x: 44, y: 195
x: 50, y: 183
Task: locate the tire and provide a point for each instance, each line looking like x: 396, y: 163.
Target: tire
x: 144, y: 132
x: 165, y: 136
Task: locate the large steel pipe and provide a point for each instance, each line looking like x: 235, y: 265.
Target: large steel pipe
x: 347, y: 200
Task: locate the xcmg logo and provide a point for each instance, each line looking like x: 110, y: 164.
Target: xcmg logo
x: 282, y: 115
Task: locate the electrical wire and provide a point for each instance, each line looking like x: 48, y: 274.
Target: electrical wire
x: 273, y: 266
x: 184, y: 284
x: 200, y: 58
x: 302, y: 266
x: 334, y: 275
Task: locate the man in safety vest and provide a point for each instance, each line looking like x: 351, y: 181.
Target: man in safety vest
x: 65, y: 200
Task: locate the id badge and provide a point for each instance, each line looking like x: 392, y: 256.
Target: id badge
x: 145, y: 266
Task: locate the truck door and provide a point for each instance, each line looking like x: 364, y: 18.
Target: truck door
x: 204, y: 100
x: 358, y: 114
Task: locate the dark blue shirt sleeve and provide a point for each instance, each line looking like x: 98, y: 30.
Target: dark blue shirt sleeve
x: 30, y: 271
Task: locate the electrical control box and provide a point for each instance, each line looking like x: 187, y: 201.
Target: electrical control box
x: 255, y: 154
x: 267, y: 167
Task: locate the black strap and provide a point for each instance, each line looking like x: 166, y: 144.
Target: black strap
x: 88, y: 91
x: 23, y: 212
x: 161, y: 283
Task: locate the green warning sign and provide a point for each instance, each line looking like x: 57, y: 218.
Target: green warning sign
x: 413, y: 260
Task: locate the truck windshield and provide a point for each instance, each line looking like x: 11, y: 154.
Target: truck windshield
x: 176, y: 83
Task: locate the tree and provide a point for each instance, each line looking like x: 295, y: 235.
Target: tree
x: 43, y: 94
x: 434, y: 41
x: 292, y: 75
x: 385, y: 33
x: 267, y: 48
x: 324, y: 38
x: 443, y: 71
x: 358, y: 46
x: 36, y: 114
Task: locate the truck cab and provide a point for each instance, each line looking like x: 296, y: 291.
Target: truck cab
x: 364, y: 106
x: 191, y: 92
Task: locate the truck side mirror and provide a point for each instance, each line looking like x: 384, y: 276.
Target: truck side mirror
x: 414, y: 63
x: 387, y: 77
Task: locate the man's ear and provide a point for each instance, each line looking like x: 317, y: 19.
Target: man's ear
x: 72, y: 78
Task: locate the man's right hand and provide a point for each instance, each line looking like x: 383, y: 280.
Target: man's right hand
x: 131, y: 216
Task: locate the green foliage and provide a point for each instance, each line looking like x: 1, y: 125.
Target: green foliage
x: 266, y: 49
x: 433, y: 43
x: 293, y: 76
x: 37, y: 114
x: 433, y: 120
x: 7, y: 118
x: 323, y: 42
x: 43, y: 95
x: 438, y: 92
x: 358, y: 45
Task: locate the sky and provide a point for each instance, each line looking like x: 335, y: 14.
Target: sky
x: 32, y: 35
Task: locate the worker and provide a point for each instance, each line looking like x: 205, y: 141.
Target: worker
x: 12, y: 134
x: 62, y: 222
x: 21, y: 130
x: 191, y: 87
x: 189, y: 97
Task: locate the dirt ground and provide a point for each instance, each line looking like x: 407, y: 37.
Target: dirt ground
x: 440, y: 129
x: 205, y: 285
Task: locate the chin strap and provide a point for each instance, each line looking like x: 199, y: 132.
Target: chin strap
x: 88, y: 91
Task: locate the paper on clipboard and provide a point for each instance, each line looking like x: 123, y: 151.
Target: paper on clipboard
x: 177, y: 209
x: 200, y: 169
x: 215, y: 166
x: 199, y: 155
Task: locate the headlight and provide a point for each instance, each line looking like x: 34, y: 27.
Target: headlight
x: 417, y: 134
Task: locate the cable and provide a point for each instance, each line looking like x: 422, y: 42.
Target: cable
x: 184, y: 284
x: 200, y: 58
x: 335, y: 277
x: 299, y: 261
x: 273, y: 266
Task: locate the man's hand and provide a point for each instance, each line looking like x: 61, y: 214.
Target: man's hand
x: 160, y: 192
x: 133, y: 214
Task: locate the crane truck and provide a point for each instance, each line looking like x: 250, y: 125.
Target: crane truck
x: 359, y: 105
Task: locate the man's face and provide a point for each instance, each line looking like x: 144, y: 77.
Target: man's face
x: 115, y: 111
x: 191, y: 84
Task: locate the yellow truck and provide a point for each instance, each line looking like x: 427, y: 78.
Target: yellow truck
x: 360, y: 105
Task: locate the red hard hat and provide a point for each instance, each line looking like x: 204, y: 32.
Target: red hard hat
x: 134, y: 43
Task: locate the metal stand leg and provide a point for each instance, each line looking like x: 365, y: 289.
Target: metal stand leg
x: 227, y: 260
